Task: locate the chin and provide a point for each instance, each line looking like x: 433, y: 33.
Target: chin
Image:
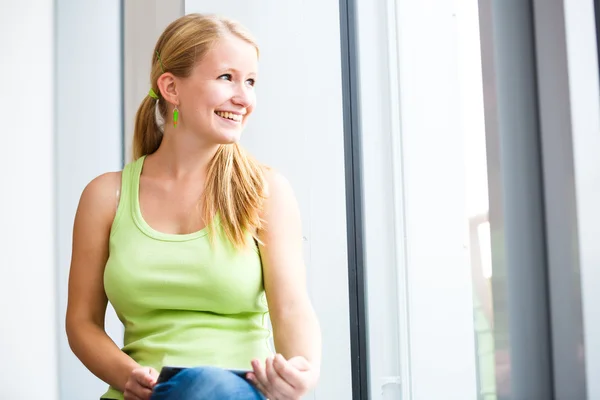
x: 229, y: 138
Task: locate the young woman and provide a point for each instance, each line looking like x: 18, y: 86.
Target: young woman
x: 192, y: 240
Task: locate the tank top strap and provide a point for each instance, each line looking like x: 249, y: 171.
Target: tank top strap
x: 134, y: 182
x: 130, y: 179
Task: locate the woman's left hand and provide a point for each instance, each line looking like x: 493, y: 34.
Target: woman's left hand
x: 281, y: 379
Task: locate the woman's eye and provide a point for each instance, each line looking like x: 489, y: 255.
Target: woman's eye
x: 229, y: 77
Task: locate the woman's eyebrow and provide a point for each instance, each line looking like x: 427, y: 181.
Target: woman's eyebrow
x: 234, y: 71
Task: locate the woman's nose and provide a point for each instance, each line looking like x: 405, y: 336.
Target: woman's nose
x: 243, y: 95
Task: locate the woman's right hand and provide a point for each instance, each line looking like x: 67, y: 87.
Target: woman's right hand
x: 140, y: 383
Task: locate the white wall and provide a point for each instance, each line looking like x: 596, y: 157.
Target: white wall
x: 88, y: 143
x: 297, y: 128
x: 27, y: 255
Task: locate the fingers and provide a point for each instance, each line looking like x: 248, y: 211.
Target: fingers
x: 140, y: 383
x: 268, y: 381
x: 261, y: 388
x: 259, y: 379
x: 280, y: 378
x: 289, y: 373
x: 153, y: 375
x: 143, y: 376
x: 302, y: 375
x: 278, y: 385
x: 136, y: 392
x: 259, y: 372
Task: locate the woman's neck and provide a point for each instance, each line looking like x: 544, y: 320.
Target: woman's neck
x: 180, y: 157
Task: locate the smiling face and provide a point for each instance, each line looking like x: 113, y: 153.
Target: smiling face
x: 217, y: 98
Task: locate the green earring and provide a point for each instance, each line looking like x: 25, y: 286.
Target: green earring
x: 175, y: 117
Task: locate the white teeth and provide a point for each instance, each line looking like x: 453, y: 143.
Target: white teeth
x: 231, y: 116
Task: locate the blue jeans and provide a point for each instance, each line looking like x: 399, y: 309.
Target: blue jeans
x: 206, y: 383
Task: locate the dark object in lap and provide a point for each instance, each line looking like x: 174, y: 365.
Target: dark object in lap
x: 168, y: 372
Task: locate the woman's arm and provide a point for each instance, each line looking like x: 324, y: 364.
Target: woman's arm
x: 86, y: 307
x: 296, y: 329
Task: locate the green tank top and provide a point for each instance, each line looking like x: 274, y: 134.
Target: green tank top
x: 182, y: 300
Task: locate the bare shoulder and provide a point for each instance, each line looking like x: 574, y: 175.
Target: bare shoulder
x: 101, y: 194
x: 281, y: 211
x: 277, y: 185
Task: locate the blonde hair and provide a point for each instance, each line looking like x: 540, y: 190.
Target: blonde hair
x: 235, y: 186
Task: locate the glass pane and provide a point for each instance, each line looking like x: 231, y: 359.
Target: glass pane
x: 491, y: 345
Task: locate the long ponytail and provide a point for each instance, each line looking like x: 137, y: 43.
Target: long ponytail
x: 147, y: 135
x: 235, y: 190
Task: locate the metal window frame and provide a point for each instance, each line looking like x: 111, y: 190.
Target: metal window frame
x: 597, y: 13
x: 355, y: 229
x: 529, y: 128
x: 556, y: 141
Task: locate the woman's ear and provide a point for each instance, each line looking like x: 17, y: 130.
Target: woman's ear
x: 167, y: 85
